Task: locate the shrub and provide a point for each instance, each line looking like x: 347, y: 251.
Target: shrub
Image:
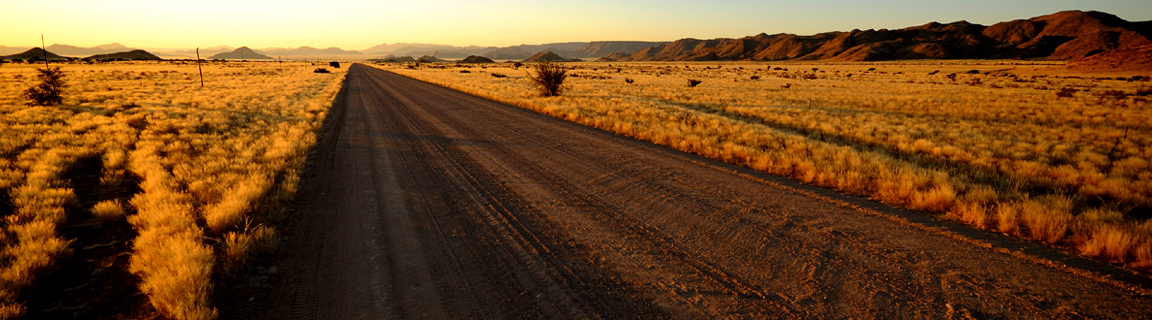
x: 1113, y: 94
x: 938, y: 199
x: 47, y: 93
x: 628, y: 80
x: 321, y: 70
x: 334, y: 64
x: 108, y: 210
x: 499, y: 75
x: 1045, y: 223
x: 1065, y: 93
x: 693, y: 82
x: 549, y: 78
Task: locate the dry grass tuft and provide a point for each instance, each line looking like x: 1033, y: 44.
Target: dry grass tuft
x: 109, y: 210
x: 972, y: 213
x: 168, y: 254
x: 1111, y: 242
x: 239, y: 247
x: 937, y: 199
x: 236, y: 202
x: 1044, y: 223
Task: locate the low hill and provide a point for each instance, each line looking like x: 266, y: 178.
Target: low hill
x: 127, y: 55
x: 34, y: 53
x: 1064, y: 35
x: 241, y: 53
x: 476, y: 59
x: 548, y: 56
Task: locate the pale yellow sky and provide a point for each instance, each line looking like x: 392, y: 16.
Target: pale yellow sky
x: 357, y: 24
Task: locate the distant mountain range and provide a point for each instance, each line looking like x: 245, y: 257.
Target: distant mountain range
x: 39, y: 54
x: 307, y: 51
x: 67, y: 50
x: 1067, y: 35
x: 520, y: 52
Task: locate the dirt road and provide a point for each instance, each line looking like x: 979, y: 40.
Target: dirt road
x: 424, y: 202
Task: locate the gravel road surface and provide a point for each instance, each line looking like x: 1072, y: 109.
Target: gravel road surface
x: 426, y: 203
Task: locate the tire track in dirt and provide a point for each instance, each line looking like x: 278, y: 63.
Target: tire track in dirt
x: 423, y: 202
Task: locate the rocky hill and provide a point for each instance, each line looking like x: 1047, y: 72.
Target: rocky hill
x: 1065, y: 35
x: 476, y: 59
x: 127, y: 55
x: 241, y: 53
x: 548, y: 56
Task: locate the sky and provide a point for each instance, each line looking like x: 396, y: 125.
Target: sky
x: 359, y: 24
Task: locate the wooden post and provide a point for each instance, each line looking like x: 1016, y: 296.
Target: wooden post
x: 45, y: 49
x: 198, y: 67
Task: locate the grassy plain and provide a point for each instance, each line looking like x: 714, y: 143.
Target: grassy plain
x: 1024, y: 148
x: 182, y: 178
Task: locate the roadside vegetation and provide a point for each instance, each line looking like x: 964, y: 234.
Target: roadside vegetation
x: 547, y: 76
x: 190, y: 178
x: 1008, y: 146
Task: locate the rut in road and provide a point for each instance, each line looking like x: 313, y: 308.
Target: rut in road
x: 423, y: 202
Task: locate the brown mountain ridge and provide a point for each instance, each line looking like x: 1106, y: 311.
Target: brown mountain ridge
x: 1066, y: 35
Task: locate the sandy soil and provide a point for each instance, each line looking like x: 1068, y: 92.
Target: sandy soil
x: 423, y: 202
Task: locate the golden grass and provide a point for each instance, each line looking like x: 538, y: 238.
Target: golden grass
x: 214, y: 156
x: 239, y: 247
x: 108, y: 210
x: 991, y: 149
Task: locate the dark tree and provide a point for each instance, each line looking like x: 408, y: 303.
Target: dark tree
x: 48, y: 91
x: 549, y: 76
x: 334, y: 64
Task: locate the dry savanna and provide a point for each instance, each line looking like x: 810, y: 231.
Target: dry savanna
x: 142, y: 188
x: 141, y: 191
x: 1030, y: 149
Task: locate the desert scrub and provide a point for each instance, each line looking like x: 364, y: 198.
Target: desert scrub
x: 215, y: 166
x: 548, y: 77
x: 992, y: 150
x: 48, y: 92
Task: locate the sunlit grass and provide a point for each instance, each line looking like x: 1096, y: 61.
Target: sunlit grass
x: 225, y: 156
